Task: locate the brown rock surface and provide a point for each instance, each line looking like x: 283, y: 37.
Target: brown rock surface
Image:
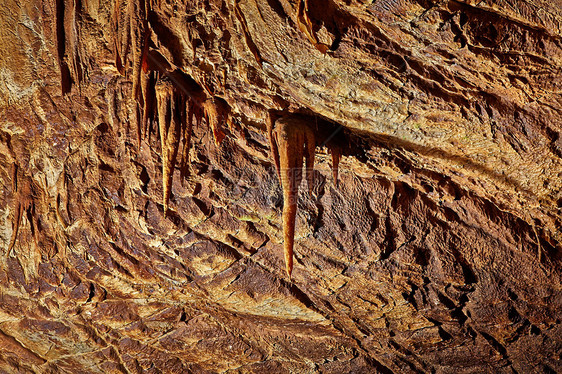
x: 439, y: 252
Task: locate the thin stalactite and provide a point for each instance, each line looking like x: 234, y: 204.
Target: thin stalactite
x: 124, y: 33
x: 72, y: 18
x: 131, y: 36
x: 194, y: 113
x: 140, y: 34
x: 214, y: 114
x: 148, y: 82
x: 336, y: 152
x: 171, y: 115
x: 272, y: 116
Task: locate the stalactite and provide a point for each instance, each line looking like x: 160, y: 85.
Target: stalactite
x: 169, y: 92
x: 309, y: 154
x: 194, y: 113
x: 336, y: 152
x: 272, y: 116
x: 215, y: 113
x: 171, y: 115
x: 140, y: 34
x: 116, y: 26
x: 337, y: 143
x: 293, y: 140
x: 148, y: 82
x: 131, y: 36
x: 124, y: 33
x: 334, y: 138
x: 73, y: 25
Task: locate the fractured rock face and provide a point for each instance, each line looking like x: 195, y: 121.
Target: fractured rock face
x: 435, y: 248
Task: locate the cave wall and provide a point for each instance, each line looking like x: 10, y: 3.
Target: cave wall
x: 439, y: 250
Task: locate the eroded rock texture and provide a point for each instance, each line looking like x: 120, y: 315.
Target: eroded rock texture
x: 141, y: 225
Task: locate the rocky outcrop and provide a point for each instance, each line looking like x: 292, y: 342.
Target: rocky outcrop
x: 141, y: 215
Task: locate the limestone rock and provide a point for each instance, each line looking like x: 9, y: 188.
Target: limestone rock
x: 439, y: 250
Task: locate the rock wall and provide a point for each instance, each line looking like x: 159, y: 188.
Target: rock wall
x: 141, y: 215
